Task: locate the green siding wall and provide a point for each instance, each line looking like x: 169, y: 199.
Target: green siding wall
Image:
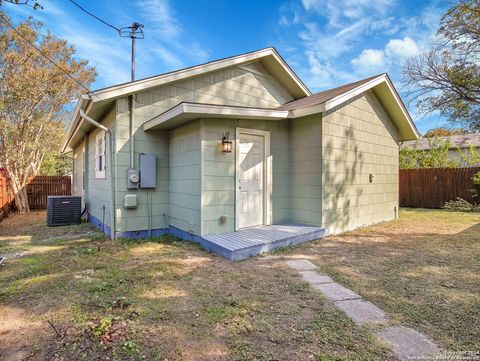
x: 320, y: 163
x: 218, y: 172
x: 306, y: 170
x: 250, y: 85
x: 358, y: 139
x: 77, y: 178
x: 156, y: 200
x: 99, y: 188
x: 184, y: 184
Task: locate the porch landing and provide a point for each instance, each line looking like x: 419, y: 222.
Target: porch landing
x: 252, y: 241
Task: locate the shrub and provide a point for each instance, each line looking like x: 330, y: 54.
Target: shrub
x: 461, y: 205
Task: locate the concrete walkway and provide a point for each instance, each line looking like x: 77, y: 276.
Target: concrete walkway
x: 407, y: 343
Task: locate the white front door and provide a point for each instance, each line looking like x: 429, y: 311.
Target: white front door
x: 250, y: 180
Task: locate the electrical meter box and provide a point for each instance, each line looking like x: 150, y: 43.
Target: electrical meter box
x: 148, y: 170
x: 133, y: 178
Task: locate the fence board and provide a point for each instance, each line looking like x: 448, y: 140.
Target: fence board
x: 433, y: 187
x: 40, y: 187
x: 6, y: 196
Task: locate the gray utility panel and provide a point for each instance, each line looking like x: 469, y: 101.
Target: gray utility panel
x: 148, y: 170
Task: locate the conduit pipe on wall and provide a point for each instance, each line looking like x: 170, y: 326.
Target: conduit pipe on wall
x: 131, y: 131
x: 110, y: 172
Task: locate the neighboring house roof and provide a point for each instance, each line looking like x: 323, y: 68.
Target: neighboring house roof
x: 99, y: 101
x: 456, y: 141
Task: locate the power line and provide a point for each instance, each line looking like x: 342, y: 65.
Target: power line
x: 134, y: 32
x: 41, y: 52
x: 96, y: 17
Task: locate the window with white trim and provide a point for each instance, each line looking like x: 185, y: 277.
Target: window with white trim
x: 100, y: 155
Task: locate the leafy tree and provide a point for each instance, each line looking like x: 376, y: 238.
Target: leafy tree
x: 409, y: 157
x: 438, y: 156
x: 470, y: 156
x: 56, y: 164
x: 442, y: 132
x: 446, y: 78
x: 33, y: 94
x: 34, y: 4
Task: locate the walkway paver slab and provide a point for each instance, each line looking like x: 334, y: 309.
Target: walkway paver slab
x: 336, y: 292
x: 408, y: 344
x: 314, y: 278
x: 361, y: 311
x: 301, y: 265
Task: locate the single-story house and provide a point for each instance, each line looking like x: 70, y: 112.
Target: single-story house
x: 238, y: 154
x: 459, y: 145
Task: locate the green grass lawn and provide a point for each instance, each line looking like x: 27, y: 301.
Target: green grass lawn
x: 157, y: 300
x: 423, y: 270
x: 169, y: 299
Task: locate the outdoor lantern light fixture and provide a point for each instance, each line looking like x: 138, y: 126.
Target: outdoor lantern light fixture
x: 226, y: 143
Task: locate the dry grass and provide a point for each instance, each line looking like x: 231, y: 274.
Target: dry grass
x: 158, y: 299
x: 423, y: 270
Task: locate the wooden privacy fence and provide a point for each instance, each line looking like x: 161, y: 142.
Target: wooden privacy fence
x: 6, y: 196
x: 433, y: 187
x: 42, y: 186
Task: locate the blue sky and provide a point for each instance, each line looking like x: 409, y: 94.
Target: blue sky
x: 326, y: 42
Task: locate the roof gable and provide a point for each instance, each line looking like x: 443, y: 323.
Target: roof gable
x: 272, y: 62
x: 382, y: 87
x: 269, y: 62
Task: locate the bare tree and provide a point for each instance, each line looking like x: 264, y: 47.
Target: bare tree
x: 446, y: 78
x: 34, y: 90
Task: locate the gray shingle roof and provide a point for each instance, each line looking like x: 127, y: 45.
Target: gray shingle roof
x: 456, y: 141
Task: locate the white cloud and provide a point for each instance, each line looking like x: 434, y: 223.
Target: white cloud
x: 331, y: 44
x: 167, y: 57
x: 289, y: 14
x: 394, y: 55
x: 323, y: 74
x: 167, y: 39
x: 161, y: 16
x: 401, y: 48
x: 370, y: 60
x: 348, y: 39
x: 339, y: 11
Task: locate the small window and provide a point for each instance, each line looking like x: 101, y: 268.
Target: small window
x: 100, y: 155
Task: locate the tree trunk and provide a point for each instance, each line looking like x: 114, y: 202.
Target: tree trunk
x: 21, y: 199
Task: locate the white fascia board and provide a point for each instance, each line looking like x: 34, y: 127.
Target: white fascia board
x: 142, y: 84
x: 302, y: 112
x: 332, y: 103
x: 217, y: 111
x: 402, y: 107
x: 76, y: 119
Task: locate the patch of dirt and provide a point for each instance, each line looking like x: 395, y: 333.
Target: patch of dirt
x: 17, y: 333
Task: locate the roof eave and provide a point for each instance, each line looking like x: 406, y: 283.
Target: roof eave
x: 186, y: 112
x: 409, y: 132
x: 82, y: 103
x: 300, y: 89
